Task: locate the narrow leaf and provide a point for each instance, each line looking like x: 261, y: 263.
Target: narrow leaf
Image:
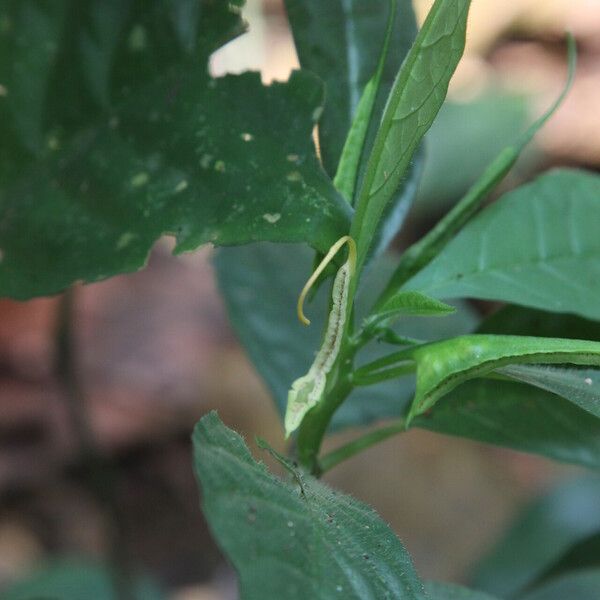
x: 291, y: 542
x: 442, y: 366
x: 414, y: 101
x: 537, y: 246
x: 341, y: 41
x: 426, y: 249
x: 347, y: 172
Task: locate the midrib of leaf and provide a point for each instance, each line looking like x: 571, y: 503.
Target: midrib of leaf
x: 372, y: 202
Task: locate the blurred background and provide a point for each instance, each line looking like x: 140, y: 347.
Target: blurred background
x: 154, y: 350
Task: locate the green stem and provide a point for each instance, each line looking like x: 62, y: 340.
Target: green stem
x: 347, y: 451
x: 315, y: 423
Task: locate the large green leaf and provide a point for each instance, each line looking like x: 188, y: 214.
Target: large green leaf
x: 261, y: 283
x: 226, y: 161
x: 442, y: 366
x: 300, y: 540
x: 537, y: 246
x: 520, y: 417
x: 415, y: 99
x: 580, y: 585
x: 540, y: 536
x: 341, y: 41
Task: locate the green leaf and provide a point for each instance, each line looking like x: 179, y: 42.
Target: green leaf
x: 290, y: 542
x: 517, y: 416
x: 582, y: 585
x: 426, y: 249
x: 450, y: 591
x: 442, y: 366
x: 540, y: 535
x: 409, y: 304
x: 74, y: 579
x: 580, y: 386
x: 464, y: 139
x: 415, y: 99
x: 550, y: 260
x: 227, y: 161
x: 341, y: 40
x: 261, y: 283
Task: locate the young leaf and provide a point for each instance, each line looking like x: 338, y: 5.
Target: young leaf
x: 537, y: 246
x: 346, y: 174
x: 425, y: 250
x: 408, y: 304
x: 341, y: 41
x: 415, y: 99
x: 294, y: 544
x: 442, y: 366
x: 541, y: 535
x: 517, y: 416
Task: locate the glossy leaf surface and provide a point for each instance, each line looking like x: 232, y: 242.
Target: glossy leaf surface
x: 295, y: 540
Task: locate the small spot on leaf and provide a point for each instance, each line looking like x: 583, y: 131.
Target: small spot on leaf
x: 137, y: 38
x: 294, y: 176
x: 3, y: 91
x: 139, y: 180
x: 247, y: 137
x: 220, y: 166
x: 588, y: 381
x: 272, y: 217
x: 125, y: 239
x: 181, y: 186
